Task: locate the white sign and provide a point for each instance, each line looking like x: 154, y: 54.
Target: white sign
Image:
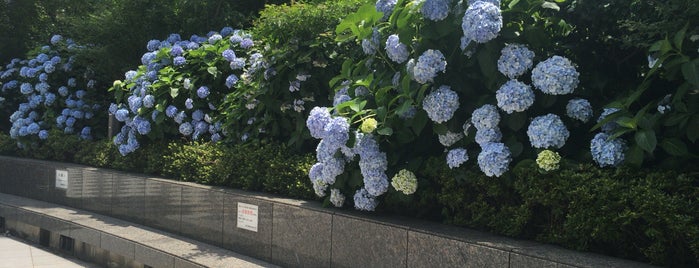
x: 62, y: 179
x: 247, y: 217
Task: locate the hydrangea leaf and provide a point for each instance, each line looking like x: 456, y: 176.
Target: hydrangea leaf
x: 674, y: 146
x: 550, y: 5
x: 691, y: 72
x: 693, y: 129
x: 646, y: 140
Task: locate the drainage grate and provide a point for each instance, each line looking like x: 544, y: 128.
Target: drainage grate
x: 66, y: 243
x: 44, y: 237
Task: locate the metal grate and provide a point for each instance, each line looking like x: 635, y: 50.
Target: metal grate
x: 44, y: 237
x: 66, y: 243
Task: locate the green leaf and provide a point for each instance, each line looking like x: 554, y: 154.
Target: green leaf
x: 646, y: 140
x: 213, y: 71
x: 627, y: 122
x: 693, y: 129
x: 635, y: 156
x: 550, y: 5
x: 679, y: 37
x: 513, y: 4
x: 691, y: 73
x: 516, y: 121
x: 386, y: 131
x: 663, y: 46
x: 357, y: 106
x: 174, y: 92
x: 674, y: 146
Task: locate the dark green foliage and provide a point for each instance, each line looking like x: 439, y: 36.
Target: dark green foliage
x: 647, y: 215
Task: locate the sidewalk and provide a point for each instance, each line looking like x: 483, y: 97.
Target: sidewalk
x: 17, y: 254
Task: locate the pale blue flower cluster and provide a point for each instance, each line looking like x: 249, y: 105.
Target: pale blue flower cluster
x: 193, y: 120
x: 396, y: 50
x: 334, y: 133
x: 514, y: 96
x: 555, y: 76
x: 611, y: 125
x: 316, y: 121
x: 515, y: 60
x: 482, y: 22
x: 364, y: 201
x: 579, y: 109
x: 547, y: 131
x: 435, y: 10
x: 456, y: 157
x: 337, y: 198
x: 371, y: 45
x: 372, y: 163
x: 485, y: 117
x: 50, y: 97
x: 607, y: 152
x: 494, y: 159
x: 488, y: 135
x: 441, y: 104
x: 386, y: 7
x: 428, y: 65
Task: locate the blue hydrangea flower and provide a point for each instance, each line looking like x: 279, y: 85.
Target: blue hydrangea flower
x: 441, y: 104
x: 488, y: 135
x: 364, y: 201
x: 153, y: 45
x: 371, y: 45
x: 189, y: 103
x: 396, y: 50
x: 198, y: 115
x: 316, y: 121
x: 170, y: 111
x: 246, y: 43
x: 43, y: 77
x: 515, y: 60
x: 180, y: 117
x: 77, y: 114
x: 130, y: 75
x: 435, y: 10
x: 555, y: 76
x: 547, y: 131
x: 226, y: 31
x: 26, y: 88
x: 514, y: 96
x: 43, y: 134
x: 456, y: 157
x: 386, y: 7
x: 337, y: 198
x: 176, y: 50
x: 179, y: 61
x: 214, y: 38
x: 186, y: 129
x: 482, y: 22
x: 49, y: 68
x: 485, y: 117
x: 50, y: 99
x: 607, y: 152
x: 579, y: 109
x: 149, y: 101
x: 611, y: 125
x: 336, y: 131
x: 63, y: 91
x: 72, y: 82
x: 70, y: 121
x: 147, y: 58
x: 228, y: 54
x: 135, y: 102
x: 122, y: 115
x: 203, y: 92
x: 55, y: 39
x: 428, y: 65
x: 494, y: 159
x: 231, y: 80
x: 237, y: 64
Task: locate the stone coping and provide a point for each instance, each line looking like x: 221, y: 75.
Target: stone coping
x: 292, y: 233
x: 137, y: 243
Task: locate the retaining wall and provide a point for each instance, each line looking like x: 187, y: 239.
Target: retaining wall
x: 289, y: 232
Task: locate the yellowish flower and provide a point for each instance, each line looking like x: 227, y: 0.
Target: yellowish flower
x: 368, y: 125
x: 548, y: 160
x: 405, y: 181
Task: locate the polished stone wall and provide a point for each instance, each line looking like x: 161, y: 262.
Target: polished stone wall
x: 290, y: 233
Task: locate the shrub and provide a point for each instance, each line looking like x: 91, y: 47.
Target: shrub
x: 50, y: 90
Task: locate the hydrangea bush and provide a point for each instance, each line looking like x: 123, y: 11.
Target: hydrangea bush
x: 49, y: 92
x: 178, y: 89
x: 456, y: 79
